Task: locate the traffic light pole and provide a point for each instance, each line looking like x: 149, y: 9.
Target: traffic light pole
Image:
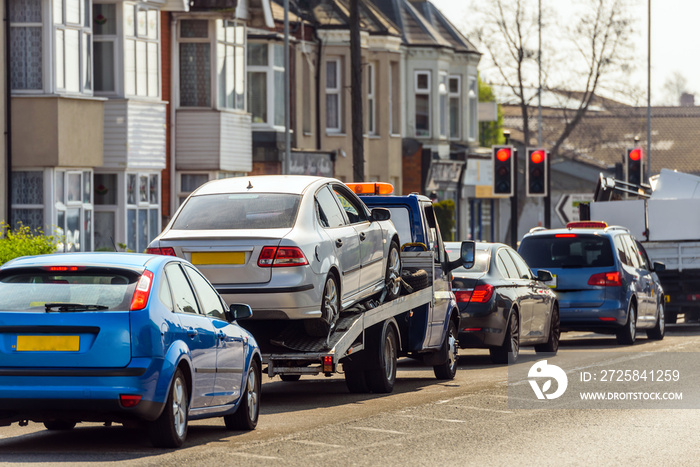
x: 514, y: 204
x: 548, y: 198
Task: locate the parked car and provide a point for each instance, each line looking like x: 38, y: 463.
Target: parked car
x: 603, y: 278
x: 502, y: 305
x: 121, y: 337
x: 297, y: 247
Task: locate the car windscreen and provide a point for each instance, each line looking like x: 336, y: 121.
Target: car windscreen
x: 567, y: 251
x: 48, y: 291
x: 481, y: 259
x: 238, y: 211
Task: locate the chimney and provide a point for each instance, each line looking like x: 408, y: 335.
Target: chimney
x: 687, y: 100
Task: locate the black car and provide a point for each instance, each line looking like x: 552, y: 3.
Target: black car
x: 502, y: 305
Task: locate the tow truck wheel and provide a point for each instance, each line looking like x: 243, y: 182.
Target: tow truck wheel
x: 381, y: 380
x: 448, y: 370
x: 356, y: 381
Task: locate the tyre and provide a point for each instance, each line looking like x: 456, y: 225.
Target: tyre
x: 170, y: 429
x: 393, y: 272
x: 671, y: 317
x: 418, y: 280
x: 330, y: 310
x: 552, y: 344
x: 511, y: 342
x: 659, y: 330
x: 290, y: 378
x: 59, y: 425
x: 381, y: 380
x: 356, y: 381
x: 448, y: 370
x: 628, y: 334
x: 246, y: 415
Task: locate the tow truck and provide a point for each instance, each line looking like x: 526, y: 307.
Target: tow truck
x: 370, y: 337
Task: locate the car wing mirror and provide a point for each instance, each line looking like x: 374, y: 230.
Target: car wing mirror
x: 466, y: 254
x: 239, y: 311
x: 544, y: 276
x: 381, y: 214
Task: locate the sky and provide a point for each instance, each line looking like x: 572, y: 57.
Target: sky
x: 675, y: 45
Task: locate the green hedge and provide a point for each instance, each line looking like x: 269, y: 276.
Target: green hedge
x: 23, y: 241
x: 445, y: 213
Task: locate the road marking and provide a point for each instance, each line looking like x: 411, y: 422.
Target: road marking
x: 482, y: 409
x: 378, y: 430
x: 255, y: 456
x: 316, y: 443
x: 432, y: 418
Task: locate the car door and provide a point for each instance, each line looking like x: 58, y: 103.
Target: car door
x: 519, y: 292
x: 646, y: 282
x: 441, y: 281
x: 230, y: 353
x: 537, y: 299
x: 343, y: 242
x: 370, y: 238
x: 197, y: 332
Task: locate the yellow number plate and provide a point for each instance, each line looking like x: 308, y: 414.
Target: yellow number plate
x: 218, y: 257
x: 48, y: 343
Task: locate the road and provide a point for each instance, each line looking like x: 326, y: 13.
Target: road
x: 423, y: 422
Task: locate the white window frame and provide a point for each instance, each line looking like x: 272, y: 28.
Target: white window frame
x: 443, y: 82
x: 335, y: 91
x: 473, y: 102
x: 145, y: 81
x: 371, y: 100
x: 269, y: 70
x: 117, y: 40
x: 141, y: 204
x: 418, y: 91
x: 232, y: 45
x: 61, y: 27
x: 46, y: 74
x: 394, y: 117
x: 86, y: 210
x: 451, y: 96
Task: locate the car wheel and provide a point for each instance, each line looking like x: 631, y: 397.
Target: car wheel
x: 246, y: 415
x: 511, y: 342
x: 552, y: 344
x: 393, y: 272
x: 59, y: 425
x: 657, y: 332
x: 356, y: 381
x: 448, y: 370
x: 330, y: 310
x: 381, y: 379
x: 170, y: 429
x: 628, y: 334
x: 290, y: 378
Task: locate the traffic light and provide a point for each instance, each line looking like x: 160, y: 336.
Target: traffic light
x: 536, y: 172
x: 503, y: 170
x: 635, y: 165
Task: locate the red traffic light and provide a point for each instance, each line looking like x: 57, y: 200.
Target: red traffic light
x: 636, y: 154
x: 503, y: 154
x: 537, y: 157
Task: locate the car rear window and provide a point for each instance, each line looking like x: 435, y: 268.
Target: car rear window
x: 87, y: 290
x: 571, y: 251
x: 238, y: 211
x: 481, y: 259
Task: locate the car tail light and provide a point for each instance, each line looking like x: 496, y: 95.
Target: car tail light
x: 143, y: 290
x: 606, y: 279
x: 167, y: 251
x: 328, y: 364
x: 587, y: 225
x: 129, y: 400
x: 607, y: 318
x: 62, y: 268
x: 272, y: 256
x: 463, y: 296
x: 565, y: 235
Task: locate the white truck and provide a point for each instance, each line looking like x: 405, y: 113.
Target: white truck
x: 667, y: 223
x: 369, y: 338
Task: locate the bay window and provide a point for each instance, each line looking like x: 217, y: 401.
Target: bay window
x: 266, y: 83
x: 371, y: 100
x: 73, y: 45
x: 422, y: 98
x: 455, y: 105
x: 333, y: 95
x: 26, y: 29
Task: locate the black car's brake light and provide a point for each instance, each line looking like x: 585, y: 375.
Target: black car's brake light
x: 482, y: 293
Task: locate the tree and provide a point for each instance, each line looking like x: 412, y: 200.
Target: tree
x: 587, y: 58
x: 674, y: 87
x: 490, y: 133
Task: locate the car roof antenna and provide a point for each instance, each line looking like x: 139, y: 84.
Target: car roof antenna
x: 113, y: 244
x: 250, y: 185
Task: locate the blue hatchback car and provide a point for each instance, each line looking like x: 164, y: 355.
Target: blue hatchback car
x: 121, y: 337
x: 602, y: 276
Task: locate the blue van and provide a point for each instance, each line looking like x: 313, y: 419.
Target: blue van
x: 602, y: 276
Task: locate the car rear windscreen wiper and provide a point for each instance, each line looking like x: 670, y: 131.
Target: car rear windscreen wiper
x: 69, y: 307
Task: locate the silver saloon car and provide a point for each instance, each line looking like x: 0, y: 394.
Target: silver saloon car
x: 292, y: 247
